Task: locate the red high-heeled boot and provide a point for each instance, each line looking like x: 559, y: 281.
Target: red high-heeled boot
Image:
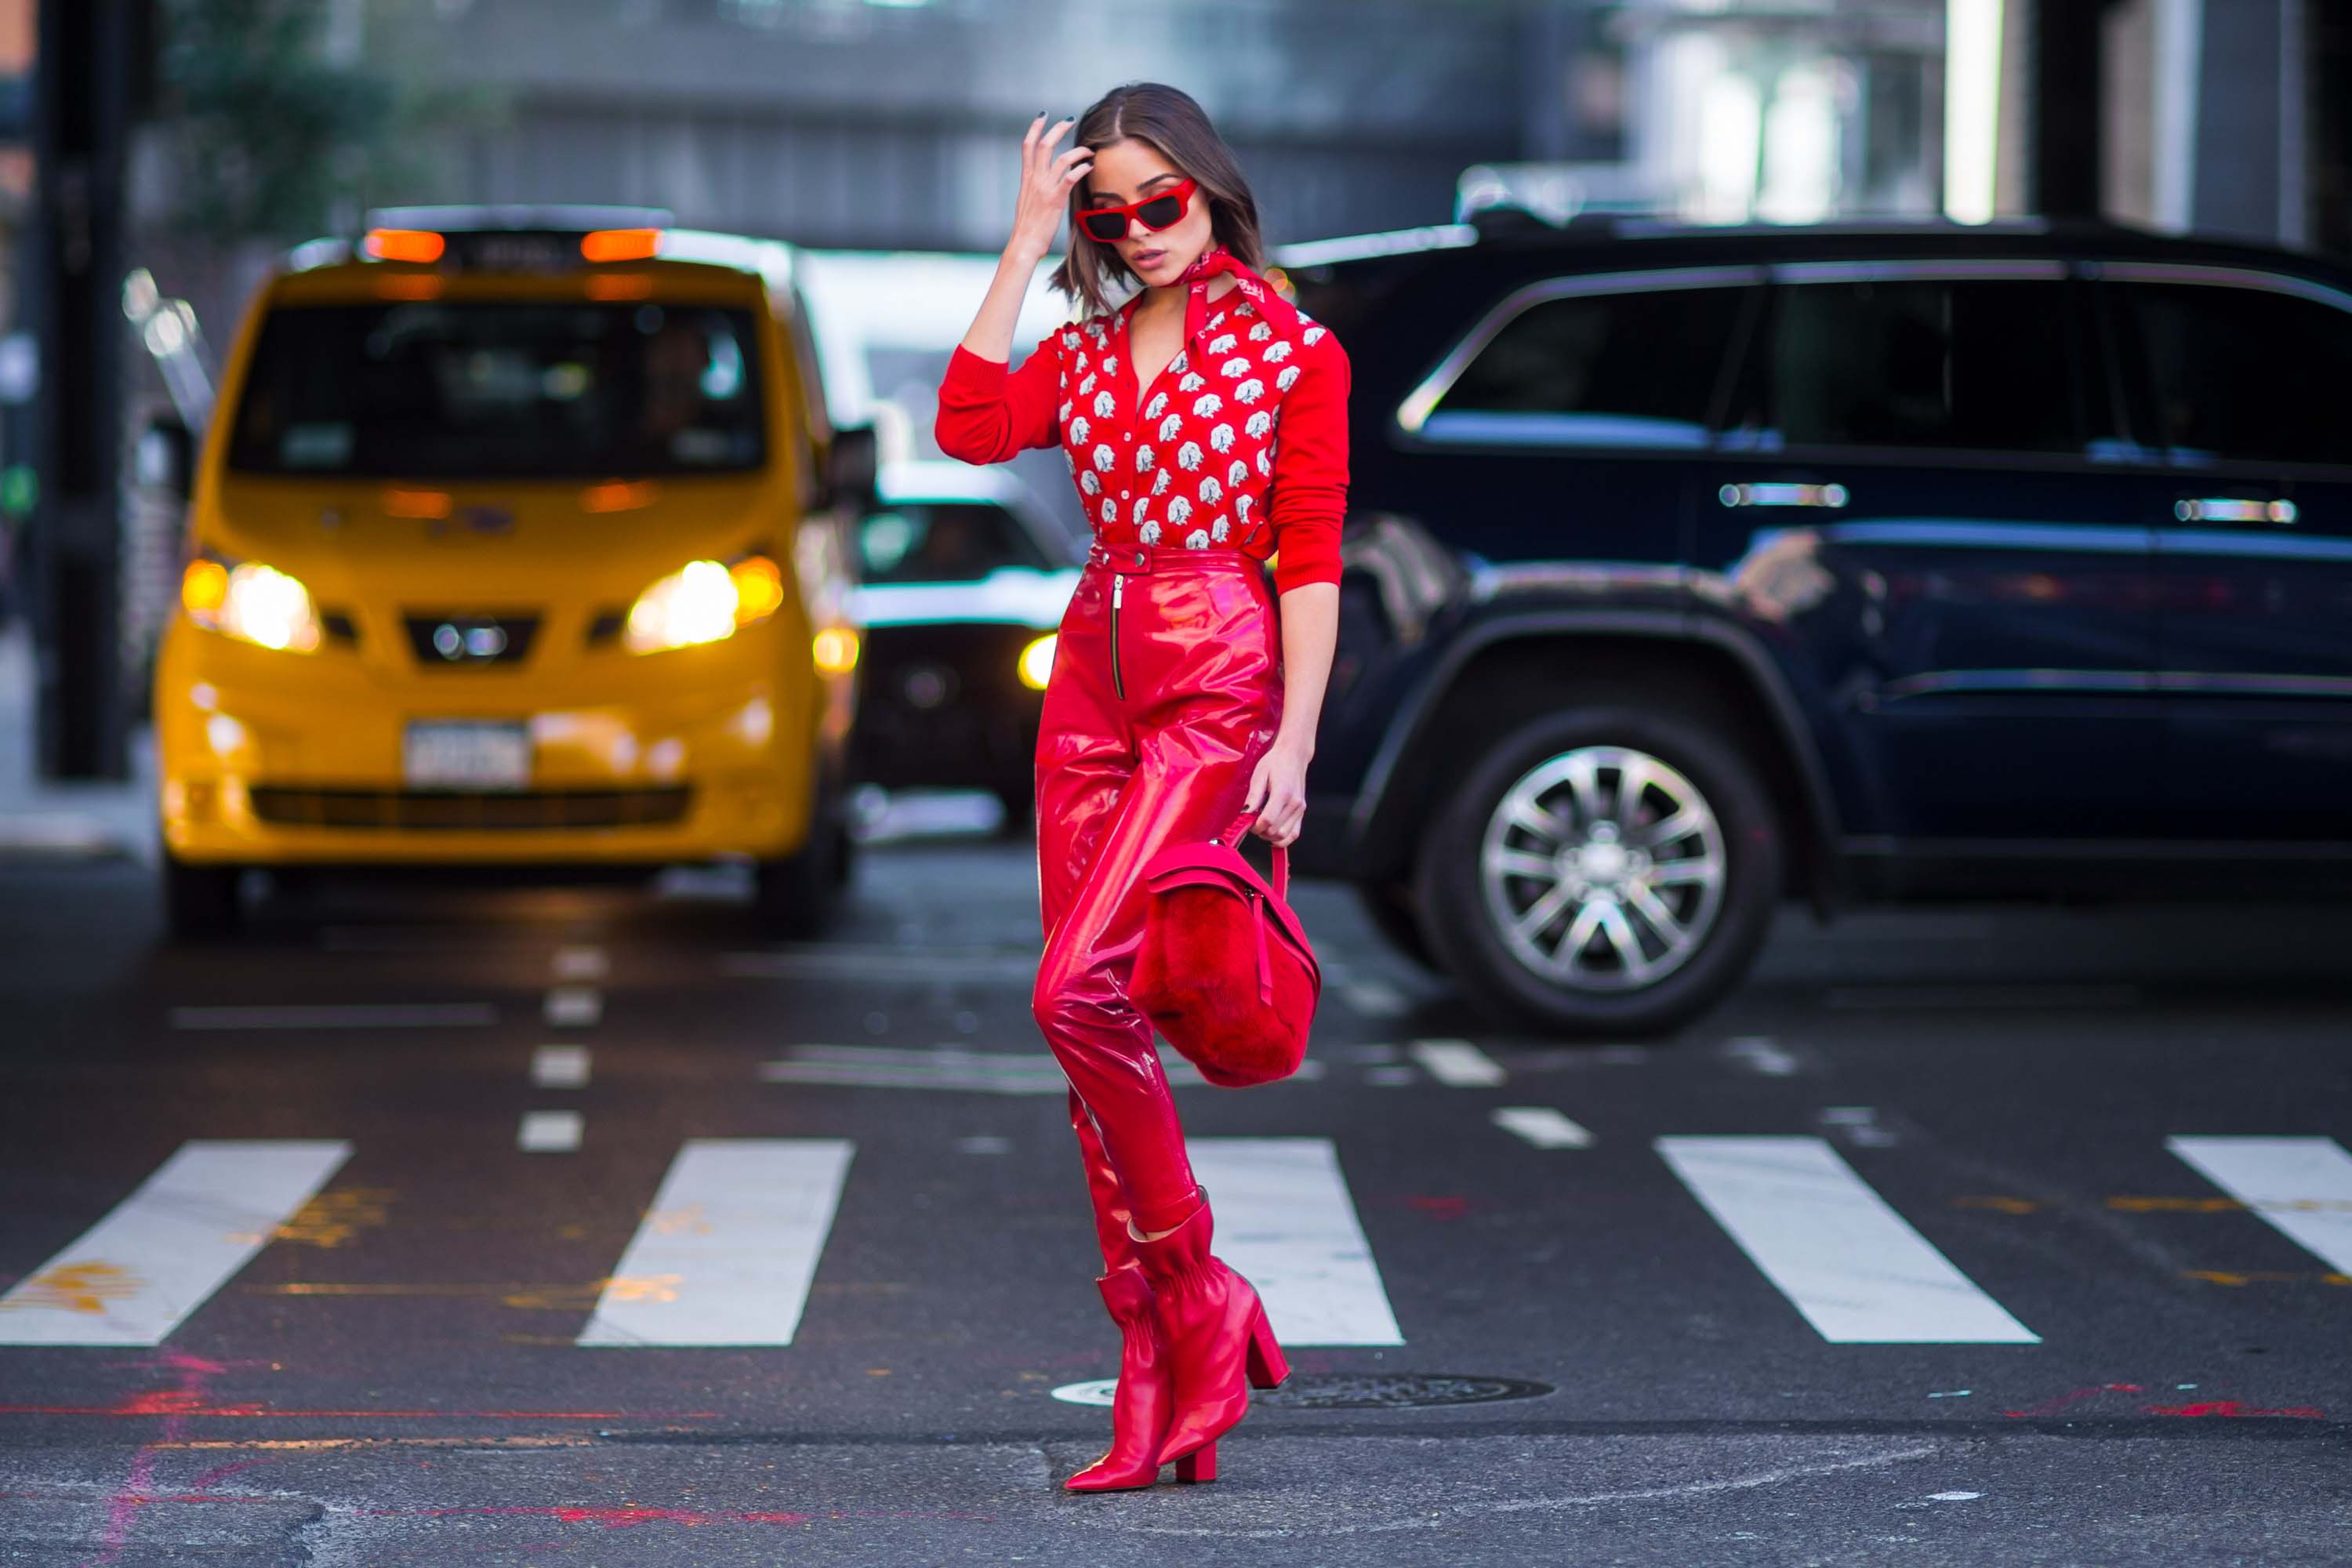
x: 1217, y: 1337
x: 1140, y: 1410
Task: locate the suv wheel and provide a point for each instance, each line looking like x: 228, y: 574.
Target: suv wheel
x: 201, y: 903
x: 1601, y: 869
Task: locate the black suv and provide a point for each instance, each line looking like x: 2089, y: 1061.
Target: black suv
x: 1686, y: 568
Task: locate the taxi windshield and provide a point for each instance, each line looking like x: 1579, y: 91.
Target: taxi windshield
x: 501, y: 389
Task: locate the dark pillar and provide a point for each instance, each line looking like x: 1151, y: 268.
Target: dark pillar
x: 74, y: 267
x: 2065, y: 170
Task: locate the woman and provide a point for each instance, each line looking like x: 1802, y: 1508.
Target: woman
x: 1204, y: 423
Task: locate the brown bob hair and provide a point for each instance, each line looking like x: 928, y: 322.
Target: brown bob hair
x: 1173, y: 124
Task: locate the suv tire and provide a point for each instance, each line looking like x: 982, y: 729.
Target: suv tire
x: 1602, y: 873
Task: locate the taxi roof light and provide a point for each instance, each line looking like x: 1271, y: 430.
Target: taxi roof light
x: 404, y: 245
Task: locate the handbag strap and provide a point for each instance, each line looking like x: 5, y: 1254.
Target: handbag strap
x: 1232, y: 838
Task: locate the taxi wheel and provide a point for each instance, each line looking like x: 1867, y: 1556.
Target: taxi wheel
x: 795, y: 896
x: 201, y: 902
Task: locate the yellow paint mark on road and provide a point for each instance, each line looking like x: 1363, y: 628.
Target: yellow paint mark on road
x: 335, y: 1216
x: 82, y: 1287
x: 525, y: 1297
x: 2236, y: 1278
x: 2001, y: 1205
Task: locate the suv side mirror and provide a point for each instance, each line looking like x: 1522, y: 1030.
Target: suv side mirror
x: 852, y: 468
x: 166, y: 456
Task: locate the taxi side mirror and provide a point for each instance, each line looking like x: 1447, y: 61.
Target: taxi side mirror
x: 852, y: 468
x: 165, y: 457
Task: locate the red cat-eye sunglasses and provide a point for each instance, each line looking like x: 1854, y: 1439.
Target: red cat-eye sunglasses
x: 1162, y: 209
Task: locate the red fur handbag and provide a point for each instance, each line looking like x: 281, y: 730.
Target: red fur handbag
x: 1224, y: 971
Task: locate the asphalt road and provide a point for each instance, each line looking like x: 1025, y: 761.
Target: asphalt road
x: 1987, y: 1236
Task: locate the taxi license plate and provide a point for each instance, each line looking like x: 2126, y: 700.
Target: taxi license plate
x: 467, y: 753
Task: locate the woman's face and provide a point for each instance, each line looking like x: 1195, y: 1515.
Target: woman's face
x: 1129, y: 171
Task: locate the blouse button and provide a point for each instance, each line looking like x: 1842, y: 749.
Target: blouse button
x: 1122, y: 495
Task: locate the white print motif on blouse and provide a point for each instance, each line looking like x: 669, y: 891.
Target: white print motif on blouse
x: 1159, y: 483
x: 1151, y: 409
x: 1198, y: 539
x: 1089, y: 483
x: 1078, y: 428
x: 1144, y: 459
x: 1222, y: 438
x: 1283, y: 377
x: 1193, y: 381
x: 1188, y: 455
x: 1249, y: 391
x: 1104, y: 403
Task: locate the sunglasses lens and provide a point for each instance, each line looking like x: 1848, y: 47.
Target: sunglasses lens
x: 1160, y: 211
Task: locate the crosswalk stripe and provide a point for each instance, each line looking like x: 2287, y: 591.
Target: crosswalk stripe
x: 1457, y: 1064
x: 560, y: 1067
x: 1837, y: 1251
x: 2302, y: 1186
x: 728, y: 1249
x: 549, y: 1132
x: 159, y: 1254
x: 1284, y: 1219
x: 1542, y: 1126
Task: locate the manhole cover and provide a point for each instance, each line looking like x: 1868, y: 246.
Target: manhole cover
x: 1394, y: 1391
x: 1356, y: 1391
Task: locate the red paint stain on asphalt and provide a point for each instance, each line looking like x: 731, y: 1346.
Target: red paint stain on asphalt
x: 2052, y: 1405
x: 2231, y: 1407
x: 1436, y: 1206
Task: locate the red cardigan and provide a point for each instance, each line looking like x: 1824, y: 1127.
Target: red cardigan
x: 1242, y: 440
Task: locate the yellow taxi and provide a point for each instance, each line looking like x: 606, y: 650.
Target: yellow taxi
x: 521, y: 541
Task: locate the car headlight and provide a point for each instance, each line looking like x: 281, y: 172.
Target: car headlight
x: 250, y: 601
x: 1037, y: 662
x: 703, y: 602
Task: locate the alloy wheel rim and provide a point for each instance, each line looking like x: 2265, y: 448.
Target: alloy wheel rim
x: 1602, y: 869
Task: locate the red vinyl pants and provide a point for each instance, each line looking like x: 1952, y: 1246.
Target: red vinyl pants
x: 1166, y: 691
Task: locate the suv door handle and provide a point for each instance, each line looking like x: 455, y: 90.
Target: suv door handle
x: 1781, y: 495
x: 2233, y: 509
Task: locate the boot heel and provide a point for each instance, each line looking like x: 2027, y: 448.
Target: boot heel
x: 1268, y: 1367
x: 1200, y: 1465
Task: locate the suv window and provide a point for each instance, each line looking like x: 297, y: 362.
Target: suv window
x: 944, y: 542
x: 1989, y: 365
x: 1634, y: 369
x: 2245, y: 374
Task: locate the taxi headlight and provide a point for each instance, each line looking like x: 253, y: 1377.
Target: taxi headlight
x: 1037, y: 662
x: 250, y: 601
x: 703, y: 602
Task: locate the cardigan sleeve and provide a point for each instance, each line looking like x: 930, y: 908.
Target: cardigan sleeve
x: 987, y: 412
x: 1309, y: 493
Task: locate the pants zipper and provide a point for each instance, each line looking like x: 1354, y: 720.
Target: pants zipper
x: 1117, y: 685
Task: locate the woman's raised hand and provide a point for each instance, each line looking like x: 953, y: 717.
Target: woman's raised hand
x: 1047, y: 177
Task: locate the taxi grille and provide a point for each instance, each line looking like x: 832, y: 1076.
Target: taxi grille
x: 483, y: 811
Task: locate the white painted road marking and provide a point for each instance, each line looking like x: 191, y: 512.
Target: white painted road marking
x: 1457, y: 1063
x: 2302, y: 1186
x: 1852, y: 1266
x: 1758, y: 1053
x: 895, y: 966
x: 726, y: 1253
x: 1541, y: 1126
x: 560, y: 1067
x: 1284, y: 1219
x: 157, y: 1255
x: 1374, y: 998
x: 343, y: 1015
x: 945, y: 1067
x: 549, y: 1132
x: 574, y: 1005
x: 581, y: 963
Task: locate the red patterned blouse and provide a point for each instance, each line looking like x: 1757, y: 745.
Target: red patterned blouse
x: 1242, y: 440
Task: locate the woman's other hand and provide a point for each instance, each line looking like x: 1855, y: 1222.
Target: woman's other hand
x: 1047, y: 177
x: 1278, y: 793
